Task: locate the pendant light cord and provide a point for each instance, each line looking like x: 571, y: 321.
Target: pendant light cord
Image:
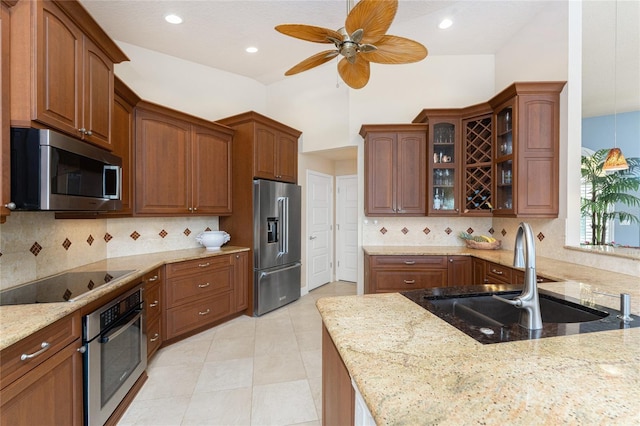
x: 615, y: 78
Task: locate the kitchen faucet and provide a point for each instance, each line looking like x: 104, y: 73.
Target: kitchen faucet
x: 524, y: 255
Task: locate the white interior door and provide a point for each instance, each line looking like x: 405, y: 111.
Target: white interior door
x: 319, y: 229
x: 347, y: 228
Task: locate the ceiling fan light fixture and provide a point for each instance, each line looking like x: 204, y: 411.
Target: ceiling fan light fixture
x: 173, y: 19
x: 445, y: 23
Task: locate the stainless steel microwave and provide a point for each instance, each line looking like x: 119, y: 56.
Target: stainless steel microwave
x: 52, y: 171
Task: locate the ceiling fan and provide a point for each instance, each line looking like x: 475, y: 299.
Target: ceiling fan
x: 362, y: 40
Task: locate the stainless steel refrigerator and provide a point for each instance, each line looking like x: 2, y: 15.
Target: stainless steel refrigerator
x: 276, y: 246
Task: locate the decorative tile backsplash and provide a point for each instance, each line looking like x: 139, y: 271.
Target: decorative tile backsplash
x: 35, y: 245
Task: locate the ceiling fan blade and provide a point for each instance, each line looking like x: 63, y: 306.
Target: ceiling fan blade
x: 313, y: 61
x: 356, y: 75
x: 372, y: 16
x: 309, y: 32
x: 396, y: 50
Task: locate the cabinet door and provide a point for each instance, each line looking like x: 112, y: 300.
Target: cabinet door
x: 211, y: 172
x: 98, y: 96
x: 287, y: 158
x: 5, y: 180
x: 162, y: 164
x: 411, y: 179
x: 241, y: 281
x: 338, y: 396
x: 51, y: 393
x: 59, y: 71
x: 505, y: 163
x: 122, y: 146
x: 444, y: 142
x: 479, y: 268
x: 460, y: 272
x: 380, y: 174
x: 264, y: 160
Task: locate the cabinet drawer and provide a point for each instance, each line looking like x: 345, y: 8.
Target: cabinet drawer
x: 57, y: 336
x: 197, y: 266
x: 417, y: 262
x: 153, y: 336
x: 152, y: 301
x: 196, y: 314
x: 392, y: 281
x: 195, y: 287
x: 499, y: 273
x: 153, y: 277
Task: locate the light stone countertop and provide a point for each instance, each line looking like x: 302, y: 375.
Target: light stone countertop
x: 20, y: 321
x: 413, y: 368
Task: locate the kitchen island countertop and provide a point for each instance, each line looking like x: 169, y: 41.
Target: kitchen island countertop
x: 413, y: 368
x: 20, y: 321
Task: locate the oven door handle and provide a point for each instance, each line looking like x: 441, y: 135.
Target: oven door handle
x: 116, y: 331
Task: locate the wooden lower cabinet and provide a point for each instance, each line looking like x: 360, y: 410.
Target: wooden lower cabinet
x: 338, y: 396
x: 459, y: 271
x: 47, y: 388
x: 200, y: 292
x: 153, y: 304
x: 394, y: 273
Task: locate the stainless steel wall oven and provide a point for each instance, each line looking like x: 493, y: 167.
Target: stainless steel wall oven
x: 115, y: 354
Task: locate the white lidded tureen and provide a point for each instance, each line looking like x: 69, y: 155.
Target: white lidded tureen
x: 213, y: 240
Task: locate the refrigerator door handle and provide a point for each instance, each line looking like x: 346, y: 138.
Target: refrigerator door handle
x: 284, y: 221
x: 266, y: 274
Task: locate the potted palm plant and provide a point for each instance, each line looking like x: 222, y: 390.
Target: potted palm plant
x: 609, y: 192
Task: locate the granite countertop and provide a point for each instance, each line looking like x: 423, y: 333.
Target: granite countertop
x: 20, y: 321
x: 414, y: 368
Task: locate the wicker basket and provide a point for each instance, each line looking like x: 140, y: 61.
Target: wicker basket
x: 483, y: 245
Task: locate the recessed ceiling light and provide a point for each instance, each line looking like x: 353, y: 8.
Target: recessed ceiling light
x: 445, y: 23
x: 251, y: 49
x: 173, y: 19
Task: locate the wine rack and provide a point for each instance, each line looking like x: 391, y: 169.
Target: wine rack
x: 478, y: 155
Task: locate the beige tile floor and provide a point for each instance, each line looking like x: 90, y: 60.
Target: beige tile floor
x: 264, y: 371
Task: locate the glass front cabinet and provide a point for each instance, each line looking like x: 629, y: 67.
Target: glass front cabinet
x: 443, y: 158
x: 504, y: 177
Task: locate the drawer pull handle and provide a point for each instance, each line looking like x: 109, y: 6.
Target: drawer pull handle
x: 409, y: 281
x: 155, y: 337
x: 204, y: 285
x: 153, y: 278
x: 44, y: 346
x: 204, y: 312
x: 409, y: 262
x: 203, y: 265
x: 154, y: 304
x: 496, y: 272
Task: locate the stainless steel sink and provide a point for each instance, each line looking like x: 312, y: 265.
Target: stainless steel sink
x: 485, y: 310
x: 474, y: 311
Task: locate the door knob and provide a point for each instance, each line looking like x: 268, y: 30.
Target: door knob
x: 10, y: 206
x: 313, y: 237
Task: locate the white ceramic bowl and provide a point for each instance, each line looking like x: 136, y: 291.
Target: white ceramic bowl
x: 213, y: 240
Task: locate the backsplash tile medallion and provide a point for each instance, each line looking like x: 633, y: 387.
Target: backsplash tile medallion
x: 35, y: 249
x: 540, y: 236
x: 504, y: 232
x: 187, y: 232
x: 66, y: 244
x: 208, y: 229
x: 426, y: 231
x: 492, y: 231
x: 163, y: 233
x: 405, y: 231
x: 107, y: 237
x: 134, y: 235
x: 383, y: 230
x: 448, y: 231
x: 469, y: 230
x: 90, y: 239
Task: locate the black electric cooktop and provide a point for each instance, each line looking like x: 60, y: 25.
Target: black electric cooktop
x: 65, y: 287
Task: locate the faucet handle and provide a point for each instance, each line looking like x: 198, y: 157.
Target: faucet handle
x: 515, y: 302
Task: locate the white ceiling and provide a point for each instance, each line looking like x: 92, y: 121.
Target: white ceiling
x: 216, y: 32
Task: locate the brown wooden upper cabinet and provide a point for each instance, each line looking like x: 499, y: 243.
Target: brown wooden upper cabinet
x: 273, y: 146
x: 526, y: 149
x: 5, y: 163
x: 395, y: 169
x: 62, y: 70
x: 182, y: 164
